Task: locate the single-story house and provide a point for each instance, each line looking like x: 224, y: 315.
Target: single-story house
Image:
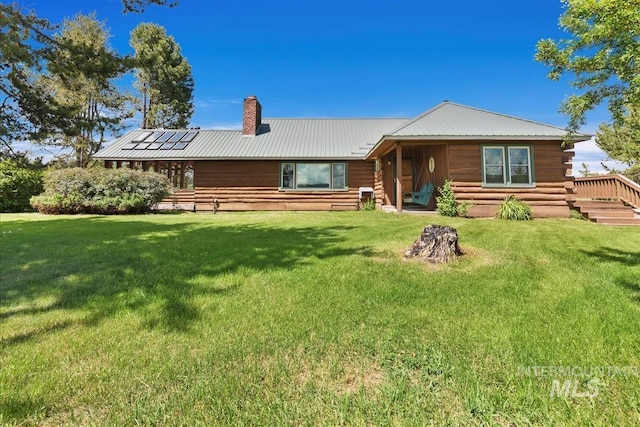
x: 335, y: 163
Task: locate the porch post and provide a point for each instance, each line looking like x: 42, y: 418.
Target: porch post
x: 182, y: 174
x: 399, y: 195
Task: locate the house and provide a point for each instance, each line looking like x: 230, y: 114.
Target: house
x: 332, y: 164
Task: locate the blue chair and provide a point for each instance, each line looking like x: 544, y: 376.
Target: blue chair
x: 423, y: 196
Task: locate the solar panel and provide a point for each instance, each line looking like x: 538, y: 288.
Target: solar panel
x: 181, y: 146
x: 129, y: 146
x: 189, y: 136
x: 154, y: 146
x: 154, y: 136
x: 167, y: 146
x: 142, y: 146
x: 142, y: 136
x: 177, y: 136
x: 165, y: 137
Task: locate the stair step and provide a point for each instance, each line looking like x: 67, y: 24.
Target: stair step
x: 617, y: 221
x: 599, y: 205
x: 618, y: 213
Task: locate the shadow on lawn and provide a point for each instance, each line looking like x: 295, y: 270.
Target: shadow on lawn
x: 631, y: 285
x: 103, y: 267
x: 623, y: 257
x: 605, y: 254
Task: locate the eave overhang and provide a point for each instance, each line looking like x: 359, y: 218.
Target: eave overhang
x: 387, y: 142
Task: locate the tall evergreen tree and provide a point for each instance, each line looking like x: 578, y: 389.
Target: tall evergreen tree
x: 138, y: 6
x: 163, y: 78
x: 25, y: 45
x: 81, y: 77
x: 28, y: 111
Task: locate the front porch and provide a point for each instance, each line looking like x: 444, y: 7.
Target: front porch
x: 422, y: 163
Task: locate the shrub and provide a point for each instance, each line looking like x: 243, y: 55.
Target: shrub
x: 368, y: 205
x: 17, y: 185
x: 101, y: 191
x: 575, y: 214
x: 514, y: 209
x: 446, y: 203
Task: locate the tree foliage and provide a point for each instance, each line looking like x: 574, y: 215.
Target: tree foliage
x: 25, y: 45
x: 138, y: 6
x: 81, y: 77
x: 603, y: 56
x: 101, y: 191
x: 622, y: 142
x: 163, y: 78
x: 27, y: 108
x: 17, y: 185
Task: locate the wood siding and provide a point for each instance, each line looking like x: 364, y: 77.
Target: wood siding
x: 460, y: 162
x: 553, y: 189
x: 254, y: 185
x: 421, y: 174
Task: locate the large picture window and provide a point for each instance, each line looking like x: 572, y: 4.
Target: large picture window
x: 507, y: 166
x: 313, y: 176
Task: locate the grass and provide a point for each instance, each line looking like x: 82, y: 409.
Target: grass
x: 313, y: 319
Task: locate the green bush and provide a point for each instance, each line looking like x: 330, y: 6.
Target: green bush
x: 446, y: 203
x: 575, y: 214
x: 17, y: 185
x: 514, y: 209
x: 368, y: 205
x: 101, y: 191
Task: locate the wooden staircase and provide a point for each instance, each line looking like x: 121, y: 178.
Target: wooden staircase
x: 613, y: 212
x: 608, y: 199
x: 182, y: 199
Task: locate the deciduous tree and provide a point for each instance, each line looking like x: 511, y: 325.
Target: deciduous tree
x: 621, y: 142
x: 602, y: 55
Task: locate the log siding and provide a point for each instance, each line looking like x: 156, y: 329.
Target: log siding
x: 548, y: 198
x: 461, y: 163
x: 255, y: 185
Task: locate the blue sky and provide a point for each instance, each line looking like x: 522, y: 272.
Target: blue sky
x: 355, y: 58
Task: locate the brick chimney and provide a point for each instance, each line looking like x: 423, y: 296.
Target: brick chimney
x: 251, y: 116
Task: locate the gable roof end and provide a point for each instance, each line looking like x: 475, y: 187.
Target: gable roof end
x: 451, y: 119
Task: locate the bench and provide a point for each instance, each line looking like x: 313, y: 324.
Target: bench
x: 423, y: 196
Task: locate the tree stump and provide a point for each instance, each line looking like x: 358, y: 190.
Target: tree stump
x: 436, y: 244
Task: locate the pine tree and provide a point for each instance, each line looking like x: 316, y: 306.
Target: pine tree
x: 163, y: 78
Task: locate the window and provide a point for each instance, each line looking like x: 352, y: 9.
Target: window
x: 494, y: 165
x: 313, y: 176
x: 507, y: 166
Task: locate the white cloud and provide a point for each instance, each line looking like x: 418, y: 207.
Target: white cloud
x: 589, y: 153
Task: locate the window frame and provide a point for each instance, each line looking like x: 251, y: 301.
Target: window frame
x: 506, y: 158
x: 332, y: 175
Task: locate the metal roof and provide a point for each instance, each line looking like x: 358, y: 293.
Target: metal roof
x: 277, y: 139
x: 341, y: 138
x: 451, y: 119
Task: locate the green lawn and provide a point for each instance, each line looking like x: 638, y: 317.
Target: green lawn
x: 315, y: 319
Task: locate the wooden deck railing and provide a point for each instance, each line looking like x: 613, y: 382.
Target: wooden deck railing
x: 608, y: 187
